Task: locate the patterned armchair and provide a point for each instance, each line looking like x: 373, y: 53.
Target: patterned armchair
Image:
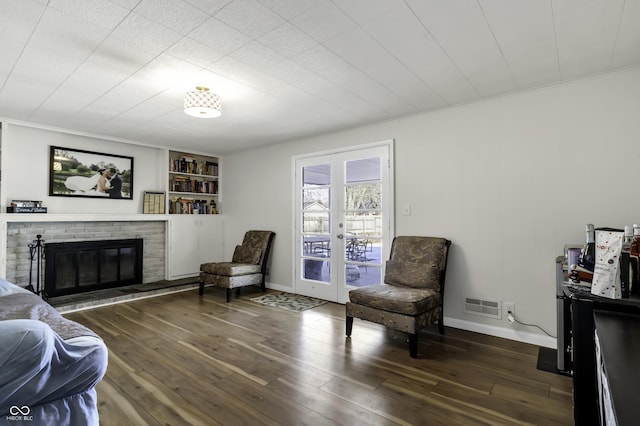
x: 412, y: 295
x: 247, y: 267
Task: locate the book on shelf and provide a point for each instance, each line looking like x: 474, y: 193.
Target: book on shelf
x: 184, y: 165
x: 11, y: 209
x: 185, y: 184
x: 184, y: 205
x: 26, y: 203
x: 188, y: 166
x: 191, y: 165
x: 205, y: 187
x: 209, y: 168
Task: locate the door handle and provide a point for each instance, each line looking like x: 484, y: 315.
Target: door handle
x: 340, y: 236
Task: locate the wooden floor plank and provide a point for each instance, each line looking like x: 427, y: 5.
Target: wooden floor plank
x: 332, y: 407
x: 185, y: 359
x: 116, y: 408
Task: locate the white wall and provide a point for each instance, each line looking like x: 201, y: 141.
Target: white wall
x: 25, y: 170
x: 509, y: 180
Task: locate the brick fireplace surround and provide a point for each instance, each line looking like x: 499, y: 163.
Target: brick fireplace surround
x: 20, y: 234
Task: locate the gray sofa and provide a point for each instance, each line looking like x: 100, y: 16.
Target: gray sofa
x: 49, y: 365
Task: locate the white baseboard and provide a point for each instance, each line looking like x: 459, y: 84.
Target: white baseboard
x: 507, y: 333
x: 279, y: 287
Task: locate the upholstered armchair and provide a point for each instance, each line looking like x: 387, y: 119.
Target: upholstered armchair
x: 412, y: 295
x: 247, y: 267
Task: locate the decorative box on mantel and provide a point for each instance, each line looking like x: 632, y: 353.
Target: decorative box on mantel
x: 26, y: 206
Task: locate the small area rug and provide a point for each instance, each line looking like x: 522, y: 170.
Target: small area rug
x: 288, y: 301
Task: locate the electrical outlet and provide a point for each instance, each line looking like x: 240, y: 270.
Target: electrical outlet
x: 510, y: 307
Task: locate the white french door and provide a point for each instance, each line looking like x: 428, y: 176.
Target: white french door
x: 343, y: 221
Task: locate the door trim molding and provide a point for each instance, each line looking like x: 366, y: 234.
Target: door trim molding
x: 339, y: 150
x: 390, y: 144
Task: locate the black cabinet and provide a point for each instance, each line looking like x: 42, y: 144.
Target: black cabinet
x: 585, y: 386
x: 618, y: 340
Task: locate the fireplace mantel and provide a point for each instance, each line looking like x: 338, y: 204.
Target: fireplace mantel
x: 63, y: 227
x: 81, y: 217
x: 173, y: 231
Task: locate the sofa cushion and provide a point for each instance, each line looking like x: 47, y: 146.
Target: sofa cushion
x: 246, y: 254
x: 230, y: 268
x: 7, y: 288
x: 399, y: 299
x: 409, y: 274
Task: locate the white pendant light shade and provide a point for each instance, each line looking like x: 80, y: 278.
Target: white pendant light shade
x: 202, y: 103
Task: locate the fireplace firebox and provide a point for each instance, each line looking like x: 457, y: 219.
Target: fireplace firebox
x: 76, y: 267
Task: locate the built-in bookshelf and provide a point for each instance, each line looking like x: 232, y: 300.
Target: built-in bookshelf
x: 193, y: 183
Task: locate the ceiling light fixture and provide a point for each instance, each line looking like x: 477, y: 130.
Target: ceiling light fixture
x: 201, y: 103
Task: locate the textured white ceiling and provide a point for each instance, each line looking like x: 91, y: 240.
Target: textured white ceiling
x: 289, y: 68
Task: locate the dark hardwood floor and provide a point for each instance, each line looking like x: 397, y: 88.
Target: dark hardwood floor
x: 183, y: 359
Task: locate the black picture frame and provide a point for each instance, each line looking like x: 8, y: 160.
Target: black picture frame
x: 79, y: 173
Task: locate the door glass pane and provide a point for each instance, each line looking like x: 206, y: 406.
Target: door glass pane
x: 316, y: 175
x: 363, y: 222
x: 318, y: 270
x: 364, y: 170
x: 315, y: 222
x: 316, y: 225
x: 315, y: 199
x: 363, y: 250
x: 362, y: 275
x: 363, y: 197
x: 316, y: 246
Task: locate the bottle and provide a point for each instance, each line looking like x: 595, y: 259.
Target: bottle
x: 634, y: 261
x: 626, y: 268
x: 588, y: 255
x: 635, y: 242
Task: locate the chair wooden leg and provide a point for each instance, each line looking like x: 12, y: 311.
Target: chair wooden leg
x: 441, y: 323
x: 201, y: 289
x: 413, y: 345
x: 228, y: 295
x: 349, y: 325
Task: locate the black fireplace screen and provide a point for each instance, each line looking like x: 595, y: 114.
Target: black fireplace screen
x: 75, y: 267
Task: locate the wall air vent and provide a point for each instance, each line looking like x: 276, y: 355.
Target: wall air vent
x: 484, y: 307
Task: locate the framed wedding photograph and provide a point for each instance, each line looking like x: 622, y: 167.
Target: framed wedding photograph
x: 79, y: 173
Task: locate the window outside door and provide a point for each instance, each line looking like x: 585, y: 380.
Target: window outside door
x: 343, y: 221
